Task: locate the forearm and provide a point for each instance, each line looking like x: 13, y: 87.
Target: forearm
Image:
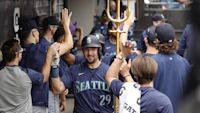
x: 46, y: 67
x: 113, y: 70
x: 80, y: 36
x: 57, y: 85
x: 67, y: 44
x: 69, y: 58
x: 128, y: 78
x: 124, y: 36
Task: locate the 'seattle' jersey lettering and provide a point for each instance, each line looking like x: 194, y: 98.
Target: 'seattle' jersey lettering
x: 86, y: 85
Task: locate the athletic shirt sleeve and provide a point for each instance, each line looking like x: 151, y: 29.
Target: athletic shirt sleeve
x: 115, y: 87
x: 67, y: 80
x: 79, y: 59
x: 36, y: 77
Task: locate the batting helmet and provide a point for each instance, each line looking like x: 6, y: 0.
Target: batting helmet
x: 90, y: 41
x: 100, y: 37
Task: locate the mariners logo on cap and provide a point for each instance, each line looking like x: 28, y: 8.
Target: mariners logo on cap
x: 89, y: 40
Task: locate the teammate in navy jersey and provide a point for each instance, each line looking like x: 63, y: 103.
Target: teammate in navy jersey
x: 101, y: 27
x: 144, y: 69
x: 185, y: 44
x: 172, y: 68
x: 110, y: 42
x: 150, y: 41
x: 156, y: 20
x: 87, y: 81
x: 35, y: 55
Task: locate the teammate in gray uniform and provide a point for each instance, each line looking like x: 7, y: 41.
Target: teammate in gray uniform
x: 16, y: 82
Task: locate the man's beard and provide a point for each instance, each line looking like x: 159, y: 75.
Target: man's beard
x: 91, y: 62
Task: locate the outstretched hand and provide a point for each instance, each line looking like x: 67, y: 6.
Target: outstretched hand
x: 126, y: 48
x: 54, y: 48
x: 66, y: 17
x: 125, y: 68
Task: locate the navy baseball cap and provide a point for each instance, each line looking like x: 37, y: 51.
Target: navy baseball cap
x: 51, y: 20
x: 150, y: 32
x: 165, y: 33
x: 158, y: 17
x: 26, y: 24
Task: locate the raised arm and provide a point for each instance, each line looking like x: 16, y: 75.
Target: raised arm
x: 125, y: 71
x: 67, y: 44
x: 69, y: 58
x: 114, y: 69
x: 127, y: 24
x: 49, y: 57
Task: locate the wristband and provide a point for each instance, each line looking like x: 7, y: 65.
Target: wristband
x: 120, y: 57
x: 126, y: 75
x: 54, y: 72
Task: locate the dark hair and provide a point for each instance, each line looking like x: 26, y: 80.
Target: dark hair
x: 170, y: 47
x: 150, y: 32
x: 110, y: 26
x: 144, y: 68
x: 23, y: 36
x: 9, y: 49
x: 58, y: 34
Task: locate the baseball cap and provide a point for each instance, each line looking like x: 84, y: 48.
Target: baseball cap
x: 51, y: 20
x: 158, y: 17
x: 26, y: 24
x: 165, y: 33
x: 150, y: 32
x: 58, y: 34
x: 25, y: 27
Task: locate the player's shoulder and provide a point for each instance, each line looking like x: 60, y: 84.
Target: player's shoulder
x: 76, y: 66
x: 103, y: 66
x: 158, y: 97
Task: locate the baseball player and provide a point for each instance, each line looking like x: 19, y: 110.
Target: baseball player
x: 156, y: 20
x: 87, y: 81
x: 172, y: 68
x: 16, y: 82
x: 144, y: 69
x: 35, y: 56
x: 185, y: 44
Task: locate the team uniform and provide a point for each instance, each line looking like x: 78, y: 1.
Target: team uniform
x: 141, y: 44
x: 171, y: 76
x: 90, y: 89
x: 16, y: 83
x: 100, y: 28
x: 34, y: 57
x: 185, y: 43
x: 152, y: 101
x: 109, y: 48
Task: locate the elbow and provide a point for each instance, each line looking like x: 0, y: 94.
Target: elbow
x: 58, y: 90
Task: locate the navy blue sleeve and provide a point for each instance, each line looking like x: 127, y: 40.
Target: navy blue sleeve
x: 141, y: 44
x: 36, y: 77
x: 164, y: 105
x: 182, y: 43
x: 108, y: 59
x: 79, y: 59
x: 115, y: 87
x: 67, y: 79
